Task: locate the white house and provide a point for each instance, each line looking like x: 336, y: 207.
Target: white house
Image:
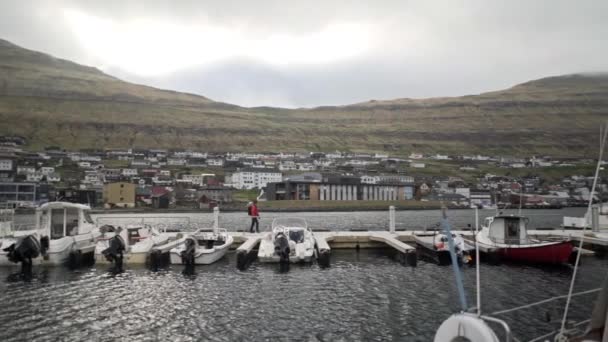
x: 53, y: 178
x: 84, y: 164
x: 166, y: 173
x: 287, y: 165
x: 466, y: 192
x: 129, y: 172
x: 6, y: 164
x: 215, y: 162
x: 34, y: 177
x: 370, y: 179
x: 417, y: 165
x: 416, y: 156
x: 176, y: 161
x: 255, y: 178
x: 47, y: 170
x: 24, y: 170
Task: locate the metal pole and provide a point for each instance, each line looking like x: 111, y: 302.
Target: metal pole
x: 391, y: 218
x: 457, y: 275
x: 216, y: 219
x: 477, y: 272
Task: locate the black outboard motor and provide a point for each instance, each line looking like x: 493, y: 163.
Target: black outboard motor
x: 23, y: 251
x: 114, y: 253
x: 281, y: 247
x: 188, y: 254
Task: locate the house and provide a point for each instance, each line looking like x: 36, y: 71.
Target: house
x: 218, y: 194
x: 6, y: 165
x: 119, y: 194
x: 418, y: 165
x: 82, y: 196
x: 254, y: 178
x: 129, y: 172
x: 161, y: 197
x: 53, y: 178
x: 176, y: 161
x: 23, y: 194
x: 480, y: 197
x: 24, y: 170
x: 453, y: 198
x: 215, y: 162
x: 334, y: 189
x: 46, y: 170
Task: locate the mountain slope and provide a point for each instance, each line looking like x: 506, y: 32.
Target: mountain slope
x: 56, y: 102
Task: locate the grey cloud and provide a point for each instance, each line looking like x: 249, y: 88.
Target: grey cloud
x: 428, y: 48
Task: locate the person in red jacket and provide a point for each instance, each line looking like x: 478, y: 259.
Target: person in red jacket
x: 255, y: 215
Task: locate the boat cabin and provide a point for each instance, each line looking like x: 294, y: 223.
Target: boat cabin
x: 507, y: 229
x: 62, y: 219
x: 209, y: 240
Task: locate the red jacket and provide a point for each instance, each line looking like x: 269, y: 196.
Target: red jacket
x: 254, y: 211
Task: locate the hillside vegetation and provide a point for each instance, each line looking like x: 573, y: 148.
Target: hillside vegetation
x: 57, y: 102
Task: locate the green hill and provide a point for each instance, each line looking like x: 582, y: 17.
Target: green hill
x: 52, y: 101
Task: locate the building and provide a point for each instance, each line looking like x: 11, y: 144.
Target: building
x: 88, y: 197
x: 6, y: 165
x: 129, y: 172
x: 337, y: 190
x: 47, y: 170
x: 119, y: 195
x: 23, y: 194
x: 218, y: 194
x: 480, y: 197
x: 255, y: 178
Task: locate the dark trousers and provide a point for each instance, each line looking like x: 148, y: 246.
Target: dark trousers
x: 254, y: 221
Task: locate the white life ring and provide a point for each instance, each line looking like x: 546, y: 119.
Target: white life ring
x: 469, y: 327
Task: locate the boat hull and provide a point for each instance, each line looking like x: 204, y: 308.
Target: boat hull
x: 556, y: 253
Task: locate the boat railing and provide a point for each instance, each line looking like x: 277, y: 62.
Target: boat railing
x: 573, y: 326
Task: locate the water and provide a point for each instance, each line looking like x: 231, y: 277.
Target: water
x: 371, y: 220
x: 363, y: 296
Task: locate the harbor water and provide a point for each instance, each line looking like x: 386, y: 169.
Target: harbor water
x: 363, y: 296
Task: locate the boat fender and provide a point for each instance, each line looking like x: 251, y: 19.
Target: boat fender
x: 469, y: 327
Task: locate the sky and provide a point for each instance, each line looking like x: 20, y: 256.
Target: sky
x: 312, y: 53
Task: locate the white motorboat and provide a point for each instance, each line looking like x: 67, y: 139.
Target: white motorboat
x: 62, y: 232
x: 132, y: 244
x: 289, y: 241
x: 202, y: 248
x: 436, y: 247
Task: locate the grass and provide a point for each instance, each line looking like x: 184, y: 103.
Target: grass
x: 53, y: 102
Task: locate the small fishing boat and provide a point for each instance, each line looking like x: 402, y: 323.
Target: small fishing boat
x: 62, y: 232
x: 289, y: 241
x: 202, y: 248
x: 436, y: 247
x: 132, y: 244
x: 506, y: 237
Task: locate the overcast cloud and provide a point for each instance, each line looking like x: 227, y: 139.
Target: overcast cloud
x: 303, y: 54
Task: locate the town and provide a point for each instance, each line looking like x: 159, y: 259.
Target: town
x: 188, y: 179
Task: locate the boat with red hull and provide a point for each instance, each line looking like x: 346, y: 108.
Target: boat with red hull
x: 505, y: 237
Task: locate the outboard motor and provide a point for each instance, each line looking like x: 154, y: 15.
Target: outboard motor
x: 23, y: 251
x: 114, y: 253
x: 281, y: 247
x: 188, y: 254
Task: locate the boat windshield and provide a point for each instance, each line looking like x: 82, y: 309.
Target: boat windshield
x: 296, y: 235
x: 289, y: 222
